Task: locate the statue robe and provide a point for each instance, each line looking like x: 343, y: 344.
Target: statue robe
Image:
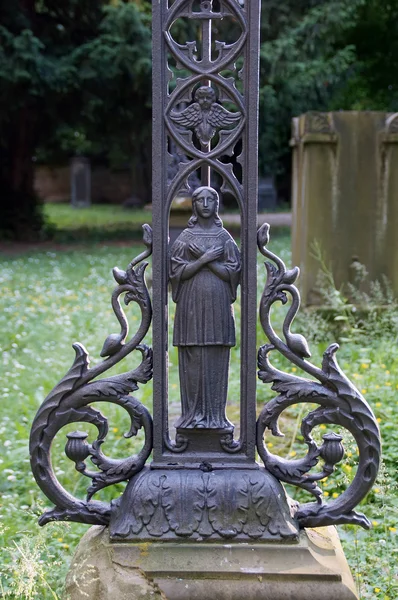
x: 204, y: 328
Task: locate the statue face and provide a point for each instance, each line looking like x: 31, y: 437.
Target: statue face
x: 205, y: 96
x: 206, y: 204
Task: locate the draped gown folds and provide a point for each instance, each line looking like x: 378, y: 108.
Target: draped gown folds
x: 204, y: 328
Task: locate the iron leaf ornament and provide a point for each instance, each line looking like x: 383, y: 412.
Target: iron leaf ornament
x: 340, y: 403
x: 70, y: 402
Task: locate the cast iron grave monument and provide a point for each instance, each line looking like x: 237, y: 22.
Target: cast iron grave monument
x: 204, y: 488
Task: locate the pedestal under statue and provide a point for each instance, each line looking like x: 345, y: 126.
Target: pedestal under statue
x: 204, y: 274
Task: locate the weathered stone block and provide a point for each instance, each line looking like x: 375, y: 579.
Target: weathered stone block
x: 345, y: 185
x: 313, y: 569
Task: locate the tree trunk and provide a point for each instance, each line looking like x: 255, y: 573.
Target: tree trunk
x: 141, y: 173
x: 20, y: 210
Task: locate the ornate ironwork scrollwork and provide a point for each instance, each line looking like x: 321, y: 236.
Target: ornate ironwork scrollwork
x: 69, y: 403
x: 340, y: 404
x: 205, y: 113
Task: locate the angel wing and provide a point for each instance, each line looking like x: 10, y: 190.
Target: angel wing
x: 189, y: 117
x: 220, y: 117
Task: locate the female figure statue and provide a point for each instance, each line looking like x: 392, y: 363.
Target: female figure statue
x: 204, y: 274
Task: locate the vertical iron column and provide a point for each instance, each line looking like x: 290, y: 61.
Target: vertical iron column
x: 242, y: 58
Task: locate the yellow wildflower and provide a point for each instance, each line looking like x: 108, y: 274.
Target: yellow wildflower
x: 364, y: 366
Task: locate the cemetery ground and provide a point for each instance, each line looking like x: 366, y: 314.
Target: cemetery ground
x: 113, y: 223
x: 52, y: 298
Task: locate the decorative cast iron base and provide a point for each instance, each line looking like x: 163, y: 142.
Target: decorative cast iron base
x: 204, y: 484
x: 313, y: 569
x: 202, y: 504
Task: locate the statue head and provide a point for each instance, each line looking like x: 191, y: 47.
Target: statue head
x: 205, y: 203
x: 205, y: 97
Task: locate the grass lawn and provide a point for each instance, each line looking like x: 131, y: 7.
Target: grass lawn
x: 112, y: 222
x: 48, y: 300
x: 95, y: 223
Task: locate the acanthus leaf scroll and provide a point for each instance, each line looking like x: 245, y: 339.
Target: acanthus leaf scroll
x: 70, y: 402
x: 340, y: 403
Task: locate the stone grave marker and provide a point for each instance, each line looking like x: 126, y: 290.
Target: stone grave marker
x: 345, y: 188
x: 80, y: 173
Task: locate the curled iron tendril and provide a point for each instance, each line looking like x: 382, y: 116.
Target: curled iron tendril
x: 70, y: 402
x: 340, y: 403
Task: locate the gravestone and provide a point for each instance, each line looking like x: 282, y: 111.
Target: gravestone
x: 345, y: 187
x: 267, y: 195
x: 80, y: 174
x: 204, y: 520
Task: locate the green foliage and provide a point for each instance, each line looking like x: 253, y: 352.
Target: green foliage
x: 368, y: 356
x: 323, y: 55
x: 359, y: 310
x: 74, y: 78
x: 304, y: 58
x: 49, y: 300
x: 371, y: 85
x: 111, y: 87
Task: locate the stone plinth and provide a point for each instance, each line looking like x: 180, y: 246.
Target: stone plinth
x: 313, y: 569
x: 345, y: 186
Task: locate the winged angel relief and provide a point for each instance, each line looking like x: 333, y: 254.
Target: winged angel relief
x: 205, y: 115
